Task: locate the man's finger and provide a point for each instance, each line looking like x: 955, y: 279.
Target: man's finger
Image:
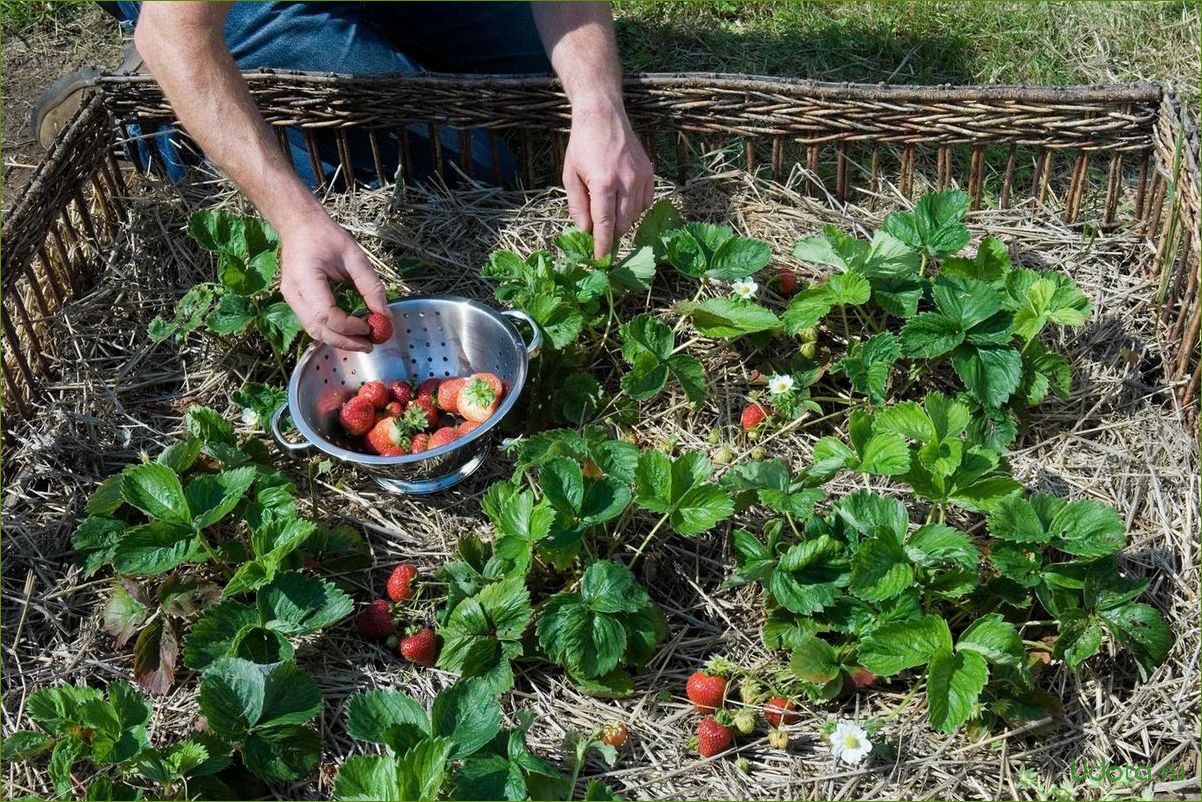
x: 603, y: 209
x: 577, y: 200
x: 367, y: 281
x: 629, y: 207
x: 318, y: 298
x: 649, y: 191
x: 311, y: 319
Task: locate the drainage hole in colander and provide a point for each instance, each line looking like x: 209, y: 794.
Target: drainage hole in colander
x: 446, y: 373
x: 444, y: 359
x: 409, y: 331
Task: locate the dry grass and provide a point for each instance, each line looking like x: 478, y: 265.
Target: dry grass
x: 1116, y: 439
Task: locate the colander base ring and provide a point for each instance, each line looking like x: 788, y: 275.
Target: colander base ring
x: 422, y: 487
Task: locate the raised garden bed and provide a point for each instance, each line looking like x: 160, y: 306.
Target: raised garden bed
x: 1099, y: 184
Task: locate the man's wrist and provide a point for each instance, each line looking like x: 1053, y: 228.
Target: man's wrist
x: 597, y: 104
x: 294, y: 209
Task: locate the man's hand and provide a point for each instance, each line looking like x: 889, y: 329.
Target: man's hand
x: 184, y: 49
x: 314, y: 254
x: 607, y: 175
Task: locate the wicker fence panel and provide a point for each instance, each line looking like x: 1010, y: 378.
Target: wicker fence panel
x: 1174, y: 228
x: 51, y: 239
x: 849, y: 137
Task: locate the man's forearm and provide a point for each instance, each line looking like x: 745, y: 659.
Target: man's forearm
x: 579, y: 38
x: 182, y: 45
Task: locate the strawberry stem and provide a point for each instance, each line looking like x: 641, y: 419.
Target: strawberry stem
x: 647, y: 540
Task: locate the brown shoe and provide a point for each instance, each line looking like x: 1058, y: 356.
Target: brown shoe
x: 59, y: 102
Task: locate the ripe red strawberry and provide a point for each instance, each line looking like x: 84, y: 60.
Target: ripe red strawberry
x: 498, y: 387
x: 394, y: 409
x: 421, y: 647
x: 402, y: 392
x: 400, y: 582
x: 614, y: 734
x: 785, y: 281
x: 753, y: 414
x: 466, y: 427
x: 357, y: 415
x: 478, y: 400
x: 395, y: 451
x: 381, y: 328
x: 386, y: 435
x: 779, y: 710
x: 427, y: 408
x: 448, y: 394
x: 707, y: 692
x: 421, y: 442
x: 375, y: 621
x: 441, y: 437
x: 376, y: 393
x: 862, y: 678
x: 712, y: 737
x: 428, y: 389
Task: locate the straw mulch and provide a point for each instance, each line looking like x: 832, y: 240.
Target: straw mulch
x: 1116, y: 439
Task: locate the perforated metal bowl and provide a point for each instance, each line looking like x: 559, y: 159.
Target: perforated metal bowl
x: 434, y: 336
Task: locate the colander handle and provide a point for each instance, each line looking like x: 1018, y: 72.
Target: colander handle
x: 536, y: 337
x: 279, y: 435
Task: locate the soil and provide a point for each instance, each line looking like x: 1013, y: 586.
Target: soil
x: 31, y: 60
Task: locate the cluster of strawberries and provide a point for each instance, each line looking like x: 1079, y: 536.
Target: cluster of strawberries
x: 397, y: 420
x: 418, y: 644
x: 706, y: 689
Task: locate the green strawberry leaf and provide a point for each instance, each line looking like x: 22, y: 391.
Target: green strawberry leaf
x: 156, y: 490
x: 657, y: 221
x: 729, y: 317
x: 994, y: 638
x: 954, y: 683
x: 868, y: 364
x: 297, y: 604
x: 892, y: 648
x: 1141, y: 630
x: 678, y: 489
x: 468, y: 714
x: 936, y: 226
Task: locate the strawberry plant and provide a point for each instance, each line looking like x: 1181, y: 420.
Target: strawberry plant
x: 244, y: 296
x: 179, y: 528
x: 647, y: 346
x: 79, y: 725
x: 458, y: 750
x: 608, y: 623
x: 290, y: 606
x: 262, y: 712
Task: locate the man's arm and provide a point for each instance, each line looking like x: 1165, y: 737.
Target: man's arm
x: 183, y: 46
x: 607, y: 175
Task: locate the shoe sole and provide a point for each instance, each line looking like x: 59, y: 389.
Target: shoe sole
x: 59, y: 102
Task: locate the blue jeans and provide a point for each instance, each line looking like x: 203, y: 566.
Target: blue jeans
x: 371, y: 38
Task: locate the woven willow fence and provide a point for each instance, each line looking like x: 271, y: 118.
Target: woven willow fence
x: 1114, y: 157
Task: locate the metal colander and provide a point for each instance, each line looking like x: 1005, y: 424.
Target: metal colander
x: 434, y: 336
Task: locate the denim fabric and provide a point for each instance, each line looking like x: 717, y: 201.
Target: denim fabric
x: 370, y: 38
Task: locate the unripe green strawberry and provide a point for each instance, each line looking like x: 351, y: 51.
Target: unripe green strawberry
x: 758, y: 453
x: 808, y: 335
x: 808, y: 350
x: 723, y: 455
x: 744, y: 720
x: 714, y: 437
x: 749, y: 690
x: 778, y: 739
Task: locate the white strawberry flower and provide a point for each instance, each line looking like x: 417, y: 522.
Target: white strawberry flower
x: 744, y: 288
x: 780, y: 384
x: 250, y: 417
x: 849, y: 743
